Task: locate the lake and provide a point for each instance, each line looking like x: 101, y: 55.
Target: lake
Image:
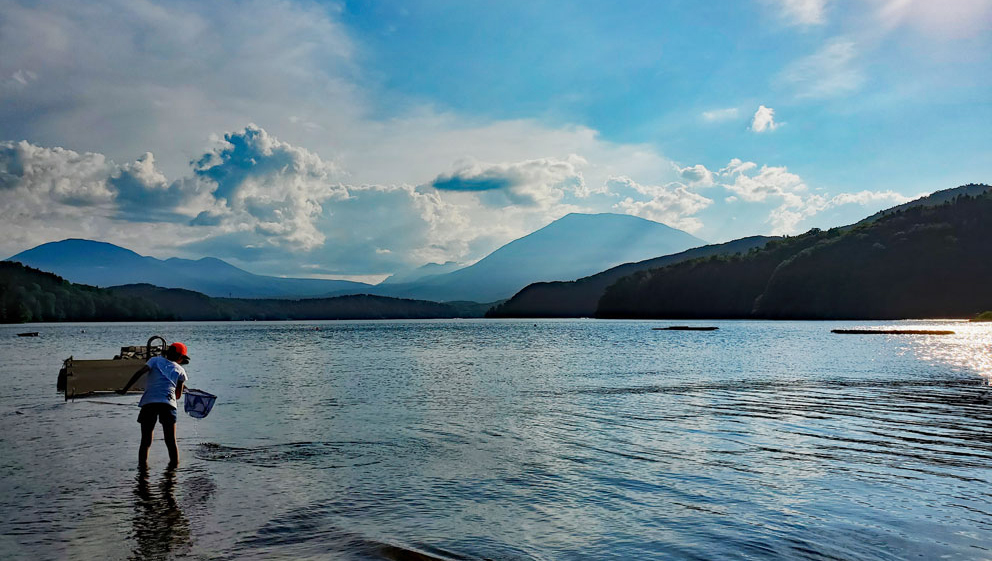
x: 476, y: 439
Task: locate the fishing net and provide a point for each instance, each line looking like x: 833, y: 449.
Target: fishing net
x: 199, y: 403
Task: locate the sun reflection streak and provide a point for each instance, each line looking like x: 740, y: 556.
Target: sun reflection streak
x: 968, y: 349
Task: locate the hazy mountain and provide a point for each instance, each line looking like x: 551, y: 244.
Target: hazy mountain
x: 571, y: 247
x: 579, y: 298
x: 103, y: 264
x: 923, y: 261
x: 422, y: 272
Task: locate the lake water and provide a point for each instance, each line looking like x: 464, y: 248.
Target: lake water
x: 483, y: 439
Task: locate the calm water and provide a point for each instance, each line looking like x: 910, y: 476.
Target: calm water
x: 511, y: 440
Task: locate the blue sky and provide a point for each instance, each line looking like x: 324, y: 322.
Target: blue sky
x: 353, y: 139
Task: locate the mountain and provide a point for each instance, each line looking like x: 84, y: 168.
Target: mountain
x: 573, y: 246
x: 421, y: 272
x: 934, y: 199
x: 921, y: 261
x: 103, y: 264
x: 30, y: 295
x: 579, y: 298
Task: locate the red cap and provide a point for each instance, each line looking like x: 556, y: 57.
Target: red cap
x: 180, y: 349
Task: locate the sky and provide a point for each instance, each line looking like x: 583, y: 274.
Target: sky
x: 357, y: 139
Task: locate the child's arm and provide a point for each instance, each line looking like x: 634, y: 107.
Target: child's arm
x: 179, y: 389
x: 133, y: 379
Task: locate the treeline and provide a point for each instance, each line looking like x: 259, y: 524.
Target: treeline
x: 579, y: 298
x: 30, y: 295
x: 921, y: 262
x: 188, y: 305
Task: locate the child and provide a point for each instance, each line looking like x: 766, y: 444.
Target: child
x: 162, y: 390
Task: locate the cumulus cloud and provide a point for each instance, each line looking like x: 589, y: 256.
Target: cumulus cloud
x: 769, y: 181
x: 764, y: 119
x: 536, y: 183
x: 54, y: 174
x: 270, y: 187
x: 697, y: 175
x: 867, y: 197
x: 672, y: 204
x: 829, y: 72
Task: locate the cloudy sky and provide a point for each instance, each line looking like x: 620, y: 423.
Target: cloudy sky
x: 355, y: 139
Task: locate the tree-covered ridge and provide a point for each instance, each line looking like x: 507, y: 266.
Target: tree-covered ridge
x: 579, y: 298
x: 30, y: 295
x: 923, y: 261
x: 193, y: 306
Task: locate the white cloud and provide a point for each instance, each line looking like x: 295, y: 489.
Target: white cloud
x: 538, y: 183
x: 50, y: 181
x: 696, y: 176
x: 803, y: 12
x: 769, y: 181
x: 829, y: 72
x: 870, y: 197
x: 720, y: 115
x: 764, y: 120
x: 672, y: 204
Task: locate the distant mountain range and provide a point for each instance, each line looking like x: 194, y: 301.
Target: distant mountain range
x: 573, y: 246
x: 930, y: 259
x: 926, y: 258
x: 103, y: 264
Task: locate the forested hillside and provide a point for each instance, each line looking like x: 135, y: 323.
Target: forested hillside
x: 190, y: 306
x: 919, y: 262
x: 28, y: 294
x: 578, y: 298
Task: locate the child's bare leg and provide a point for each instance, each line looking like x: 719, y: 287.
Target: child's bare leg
x: 170, y: 443
x: 147, y: 432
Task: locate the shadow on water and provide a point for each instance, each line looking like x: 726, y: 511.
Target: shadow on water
x: 161, y: 529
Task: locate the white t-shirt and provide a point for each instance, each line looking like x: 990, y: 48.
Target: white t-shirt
x: 163, y: 376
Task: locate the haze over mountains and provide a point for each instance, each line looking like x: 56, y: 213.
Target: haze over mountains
x: 573, y: 246
x: 103, y: 264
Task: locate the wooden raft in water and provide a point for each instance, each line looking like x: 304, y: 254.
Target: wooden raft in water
x: 892, y: 331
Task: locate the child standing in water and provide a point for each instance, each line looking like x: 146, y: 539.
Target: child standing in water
x: 163, y: 388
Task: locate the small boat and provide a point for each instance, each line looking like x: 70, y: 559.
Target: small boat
x: 79, y: 378
x: 892, y: 331
x: 685, y: 328
x: 28, y: 334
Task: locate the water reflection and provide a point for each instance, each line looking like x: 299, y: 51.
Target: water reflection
x: 968, y: 349
x: 160, y: 527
